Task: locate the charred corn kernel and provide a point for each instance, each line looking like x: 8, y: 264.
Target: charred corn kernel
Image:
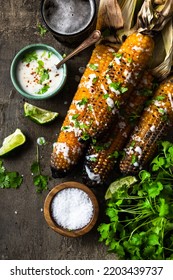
x: 102, y: 154
x: 67, y: 150
x: 153, y: 124
x: 118, y: 82
x: 131, y: 111
x: 100, y: 159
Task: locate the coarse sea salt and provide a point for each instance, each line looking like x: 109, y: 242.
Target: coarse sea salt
x: 72, y: 208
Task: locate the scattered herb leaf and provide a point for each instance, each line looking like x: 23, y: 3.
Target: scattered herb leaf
x: 93, y: 66
x: 84, y: 101
x: 118, y: 55
x: 95, y: 80
x: 117, y: 86
x: 130, y: 60
x: 9, y: 179
x: 42, y: 30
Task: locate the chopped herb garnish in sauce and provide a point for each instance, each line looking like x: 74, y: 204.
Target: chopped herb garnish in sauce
x: 30, y: 57
x: 43, y: 90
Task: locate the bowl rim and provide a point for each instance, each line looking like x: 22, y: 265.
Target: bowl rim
x: 93, y: 3
x: 15, y: 62
x: 51, y: 222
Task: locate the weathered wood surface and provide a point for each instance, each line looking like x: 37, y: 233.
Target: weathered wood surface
x: 24, y: 233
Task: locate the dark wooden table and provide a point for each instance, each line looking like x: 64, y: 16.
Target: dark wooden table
x: 24, y: 233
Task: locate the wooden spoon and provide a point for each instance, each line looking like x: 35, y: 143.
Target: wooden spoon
x: 93, y: 38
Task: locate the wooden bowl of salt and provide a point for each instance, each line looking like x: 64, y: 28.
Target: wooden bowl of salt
x: 71, y: 209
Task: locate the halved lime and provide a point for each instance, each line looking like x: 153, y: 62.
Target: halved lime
x: 38, y: 114
x: 126, y: 181
x: 12, y: 141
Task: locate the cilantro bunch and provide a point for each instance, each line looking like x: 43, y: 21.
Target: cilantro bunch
x: 140, y: 214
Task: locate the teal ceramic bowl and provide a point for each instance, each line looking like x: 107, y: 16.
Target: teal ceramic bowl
x: 47, y: 75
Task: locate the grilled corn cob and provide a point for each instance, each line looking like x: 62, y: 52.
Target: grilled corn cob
x: 67, y: 150
x: 118, y: 82
x: 153, y: 125
x: 102, y: 154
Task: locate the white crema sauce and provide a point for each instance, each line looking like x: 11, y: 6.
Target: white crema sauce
x: 29, y: 78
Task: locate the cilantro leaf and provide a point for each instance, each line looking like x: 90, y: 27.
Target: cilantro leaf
x: 42, y: 72
x: 9, y: 179
x: 84, y: 101
x: 117, y: 87
x: 40, y: 181
x: 93, y: 66
x: 94, y: 80
x: 43, y: 89
x: 42, y: 30
x: 35, y: 168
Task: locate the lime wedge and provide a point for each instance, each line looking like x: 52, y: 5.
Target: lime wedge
x: 126, y: 181
x: 12, y: 141
x: 39, y: 115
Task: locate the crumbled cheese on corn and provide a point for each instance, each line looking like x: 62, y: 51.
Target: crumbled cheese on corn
x: 117, y: 60
x: 122, y: 125
x: 110, y: 102
x: 92, y: 176
x: 138, y: 150
x: 136, y: 48
x: 136, y: 164
x: 62, y: 148
x: 129, y: 151
x: 76, y: 130
x: 103, y: 88
x: 89, y: 83
x: 153, y: 128
x: 128, y: 75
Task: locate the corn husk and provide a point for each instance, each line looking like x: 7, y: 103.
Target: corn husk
x: 159, y: 2
x: 130, y: 10
x: 125, y: 13
x: 153, y: 17
x: 163, y: 54
x: 109, y: 15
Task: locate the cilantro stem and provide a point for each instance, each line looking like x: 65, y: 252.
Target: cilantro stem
x: 168, y: 173
x: 141, y: 225
x: 171, y: 250
x: 38, y: 158
x: 39, y: 180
